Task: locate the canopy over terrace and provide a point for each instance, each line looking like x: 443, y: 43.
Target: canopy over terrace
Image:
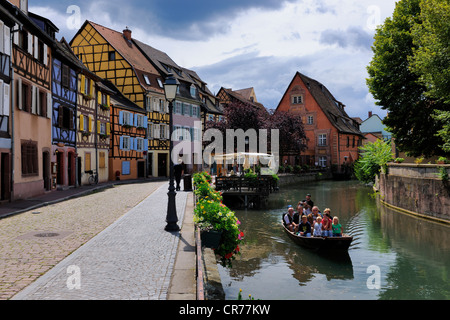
x: 240, y: 161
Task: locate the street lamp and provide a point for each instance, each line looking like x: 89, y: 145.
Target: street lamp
x: 170, y: 91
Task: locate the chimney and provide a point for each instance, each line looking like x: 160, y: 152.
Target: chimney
x: 370, y: 114
x: 127, y: 34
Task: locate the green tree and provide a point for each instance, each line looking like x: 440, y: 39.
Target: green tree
x: 397, y: 88
x: 373, y: 157
x: 431, y: 59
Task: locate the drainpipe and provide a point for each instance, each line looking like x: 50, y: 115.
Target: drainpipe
x: 12, y: 109
x: 96, y: 130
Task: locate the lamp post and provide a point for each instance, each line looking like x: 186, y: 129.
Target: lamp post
x: 170, y: 91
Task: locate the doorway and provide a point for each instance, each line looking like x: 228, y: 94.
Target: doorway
x: 60, y: 167
x: 6, y: 177
x: 162, y: 165
x: 71, y: 168
x: 141, y: 169
x: 46, y: 171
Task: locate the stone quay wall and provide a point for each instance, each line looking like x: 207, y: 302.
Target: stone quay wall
x: 417, y: 189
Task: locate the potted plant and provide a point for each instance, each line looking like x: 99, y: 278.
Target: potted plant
x: 399, y: 160
x: 214, y: 219
x: 441, y: 160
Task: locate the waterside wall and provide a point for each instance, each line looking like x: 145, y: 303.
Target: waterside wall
x: 416, y: 189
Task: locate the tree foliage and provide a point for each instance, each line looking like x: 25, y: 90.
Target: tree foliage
x: 291, y: 133
x: 242, y: 116
x: 373, y: 157
x: 397, y: 88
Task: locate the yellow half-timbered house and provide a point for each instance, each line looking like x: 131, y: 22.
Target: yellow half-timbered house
x: 113, y: 56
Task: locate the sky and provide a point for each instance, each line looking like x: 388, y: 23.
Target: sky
x: 248, y: 43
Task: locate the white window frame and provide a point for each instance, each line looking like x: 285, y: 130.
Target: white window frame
x: 310, y: 120
x: 127, y: 118
x: 193, y: 91
x: 147, y: 80
x: 322, y: 140
x: 323, y: 161
x: 139, y: 144
x: 126, y: 143
x: 297, y: 99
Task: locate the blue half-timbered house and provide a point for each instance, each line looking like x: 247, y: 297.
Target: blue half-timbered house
x: 65, y: 69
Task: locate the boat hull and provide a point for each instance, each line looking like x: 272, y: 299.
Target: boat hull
x: 321, y: 243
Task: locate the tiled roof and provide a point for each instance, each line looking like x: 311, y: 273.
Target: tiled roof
x: 333, y: 109
x: 242, y: 99
x: 132, y: 54
x: 163, y: 62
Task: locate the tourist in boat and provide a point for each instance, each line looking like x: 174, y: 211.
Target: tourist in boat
x: 306, y: 208
x: 318, y: 227
x: 337, y: 228
x: 298, y: 214
x: 289, y: 220
x: 304, y: 228
x: 326, y: 223
x: 315, y: 213
x: 309, y: 201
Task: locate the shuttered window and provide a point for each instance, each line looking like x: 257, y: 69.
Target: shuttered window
x: 29, y: 158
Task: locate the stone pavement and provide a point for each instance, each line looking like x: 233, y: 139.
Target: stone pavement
x: 133, y: 258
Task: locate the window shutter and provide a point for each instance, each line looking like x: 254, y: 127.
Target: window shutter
x: 92, y: 89
x: 83, y: 79
x: 150, y: 131
x: 60, y: 116
x: 145, y: 145
x: 38, y: 101
x: 90, y: 124
x: 19, y: 94
x: 16, y: 35
x: 7, y: 99
x: 45, y: 54
x: 134, y: 119
x: 33, y: 100
x: 81, y: 122
x: 99, y: 97
x: 108, y: 128
x: 121, y: 117
x: 2, y: 37
x: 71, y: 124
x: 145, y: 122
x: 36, y: 47
x: 98, y: 126
x: 157, y: 131
x: 7, y: 40
x: 121, y: 143
x: 49, y: 105
x: 1, y: 95
x: 108, y: 100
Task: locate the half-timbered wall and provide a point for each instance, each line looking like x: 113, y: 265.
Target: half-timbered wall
x: 64, y: 89
x: 105, y: 61
x: 128, y: 143
x: 31, y: 59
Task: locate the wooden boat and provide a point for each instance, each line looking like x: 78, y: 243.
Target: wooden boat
x: 321, y: 243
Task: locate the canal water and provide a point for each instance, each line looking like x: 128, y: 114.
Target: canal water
x: 392, y: 256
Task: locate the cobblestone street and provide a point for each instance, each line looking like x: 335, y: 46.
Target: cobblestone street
x: 33, y: 242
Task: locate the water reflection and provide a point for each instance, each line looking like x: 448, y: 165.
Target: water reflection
x: 413, y: 254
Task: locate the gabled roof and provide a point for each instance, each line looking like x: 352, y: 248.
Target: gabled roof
x: 163, y: 62
x: 131, y: 53
x: 331, y: 107
x: 247, y: 93
x: 236, y: 96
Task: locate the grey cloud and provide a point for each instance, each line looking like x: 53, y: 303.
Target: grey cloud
x: 354, y: 37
